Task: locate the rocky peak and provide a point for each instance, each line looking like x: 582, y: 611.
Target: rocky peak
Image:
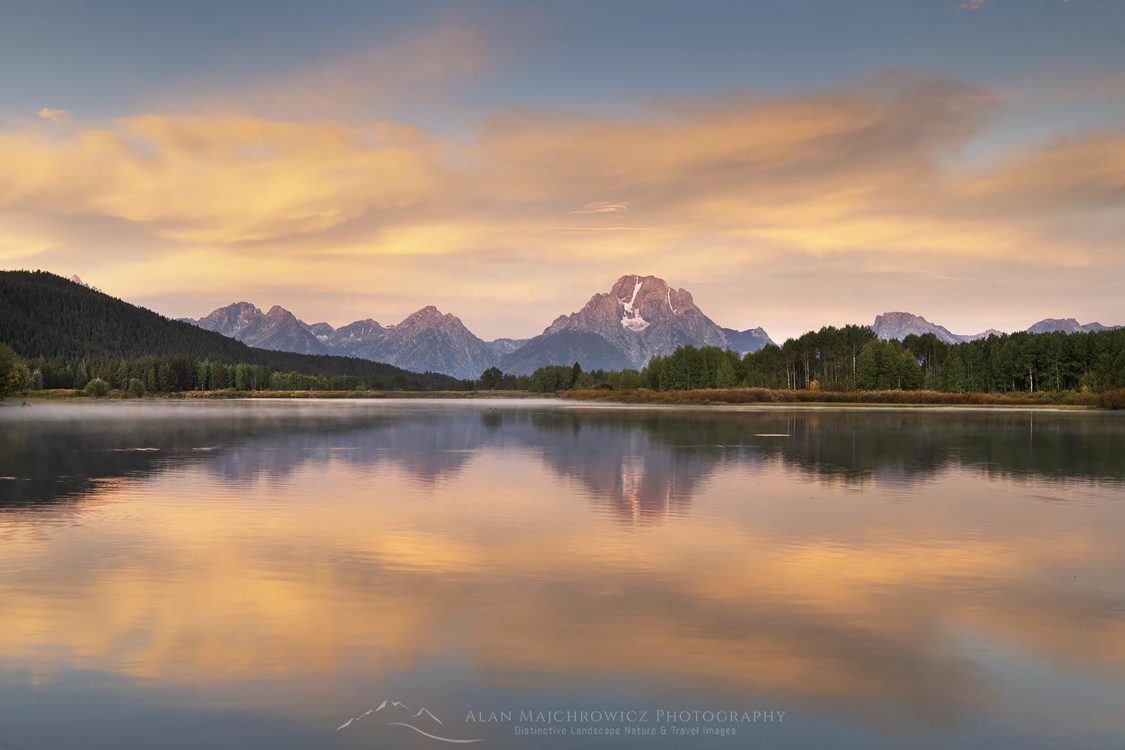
x: 277, y: 312
x: 645, y: 299
x: 360, y: 328
x: 642, y: 316
x: 232, y: 319
x: 1048, y: 325
x: 428, y: 317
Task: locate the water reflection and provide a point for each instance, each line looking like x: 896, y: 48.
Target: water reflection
x: 891, y: 578
x: 639, y: 462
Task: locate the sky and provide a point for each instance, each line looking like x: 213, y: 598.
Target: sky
x: 792, y: 164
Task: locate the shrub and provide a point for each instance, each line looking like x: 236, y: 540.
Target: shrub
x: 97, y: 388
x: 14, y: 375
x: 136, y: 388
x: 1114, y: 399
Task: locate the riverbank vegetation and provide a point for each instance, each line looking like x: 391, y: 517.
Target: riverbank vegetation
x: 155, y: 375
x: 766, y: 396
x: 851, y: 365
x: 851, y: 358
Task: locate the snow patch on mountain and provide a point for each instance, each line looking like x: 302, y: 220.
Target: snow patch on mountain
x: 631, y: 317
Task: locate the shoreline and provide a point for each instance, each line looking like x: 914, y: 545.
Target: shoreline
x: 764, y: 397
x: 745, y: 397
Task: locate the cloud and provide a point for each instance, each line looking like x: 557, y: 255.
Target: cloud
x: 602, y: 207
x: 218, y: 179
x: 978, y: 4
x: 353, y: 214
x: 57, y: 116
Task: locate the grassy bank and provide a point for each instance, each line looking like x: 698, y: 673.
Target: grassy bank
x: 886, y: 398
x: 765, y: 396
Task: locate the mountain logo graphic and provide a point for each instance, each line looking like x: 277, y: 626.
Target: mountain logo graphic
x: 394, y: 713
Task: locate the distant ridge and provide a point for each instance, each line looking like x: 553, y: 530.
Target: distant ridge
x: 1067, y: 325
x: 899, y: 325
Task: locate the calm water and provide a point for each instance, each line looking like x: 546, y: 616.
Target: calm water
x: 239, y: 575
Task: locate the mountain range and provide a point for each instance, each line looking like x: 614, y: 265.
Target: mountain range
x: 899, y: 325
x: 638, y: 318
x: 1068, y: 325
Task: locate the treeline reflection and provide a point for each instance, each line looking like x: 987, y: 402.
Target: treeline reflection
x: 638, y: 463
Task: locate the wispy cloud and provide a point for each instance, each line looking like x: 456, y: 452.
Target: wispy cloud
x: 601, y: 207
x: 57, y: 116
x: 978, y: 4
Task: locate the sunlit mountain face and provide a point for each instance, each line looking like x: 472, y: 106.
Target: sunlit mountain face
x: 265, y: 571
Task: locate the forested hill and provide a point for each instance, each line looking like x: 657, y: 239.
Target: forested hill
x: 44, y: 315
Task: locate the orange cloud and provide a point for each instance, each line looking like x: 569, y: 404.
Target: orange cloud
x: 218, y: 179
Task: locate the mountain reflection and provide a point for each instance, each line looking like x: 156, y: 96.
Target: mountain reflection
x: 637, y: 464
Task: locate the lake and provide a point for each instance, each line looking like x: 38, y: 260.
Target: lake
x: 541, y: 574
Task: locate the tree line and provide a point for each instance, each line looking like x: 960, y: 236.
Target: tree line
x: 139, y: 376
x: 554, y: 378
x: 852, y: 358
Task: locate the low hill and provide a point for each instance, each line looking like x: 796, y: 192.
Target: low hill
x: 44, y: 315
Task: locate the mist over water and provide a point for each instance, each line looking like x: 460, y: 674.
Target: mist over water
x: 254, y: 574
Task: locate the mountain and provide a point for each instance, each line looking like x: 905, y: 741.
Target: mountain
x: 638, y: 318
x: 44, y: 315
x: 78, y: 280
x: 429, y: 340
x: 899, y: 325
x: 565, y: 347
x: 750, y: 340
x: 642, y: 316
x: 1067, y: 325
x: 357, y: 339
x: 278, y: 329
x: 231, y: 320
